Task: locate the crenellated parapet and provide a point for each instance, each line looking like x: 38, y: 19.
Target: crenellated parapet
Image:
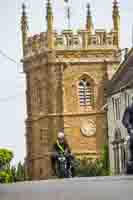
x: 69, y: 40
x: 83, y: 39
x: 36, y: 44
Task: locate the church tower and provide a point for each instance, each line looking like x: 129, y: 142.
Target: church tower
x: 65, y: 78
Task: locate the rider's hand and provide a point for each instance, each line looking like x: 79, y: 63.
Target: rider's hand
x: 131, y: 131
x: 66, y: 151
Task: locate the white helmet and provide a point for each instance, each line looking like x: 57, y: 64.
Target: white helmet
x: 60, y: 135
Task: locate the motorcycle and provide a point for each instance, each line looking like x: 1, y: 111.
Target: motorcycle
x: 63, y: 170
x: 129, y: 161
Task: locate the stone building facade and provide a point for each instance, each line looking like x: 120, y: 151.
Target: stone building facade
x: 65, y: 77
x: 119, y: 96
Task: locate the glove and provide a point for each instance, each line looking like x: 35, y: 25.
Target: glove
x: 131, y: 131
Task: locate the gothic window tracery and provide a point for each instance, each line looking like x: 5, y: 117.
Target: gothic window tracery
x: 85, y: 92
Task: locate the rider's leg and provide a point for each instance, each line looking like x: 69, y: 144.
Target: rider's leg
x: 69, y: 164
x: 131, y: 148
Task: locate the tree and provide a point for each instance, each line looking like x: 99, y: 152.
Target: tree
x: 20, y: 172
x: 8, y: 173
x: 5, y: 158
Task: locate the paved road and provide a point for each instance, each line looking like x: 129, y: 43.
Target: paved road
x: 104, y: 188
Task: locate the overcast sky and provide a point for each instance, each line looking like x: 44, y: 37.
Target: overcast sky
x: 12, y: 84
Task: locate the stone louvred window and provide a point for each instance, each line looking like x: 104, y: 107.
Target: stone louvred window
x: 29, y: 140
x: 42, y: 137
x: 37, y: 95
x: 85, y: 93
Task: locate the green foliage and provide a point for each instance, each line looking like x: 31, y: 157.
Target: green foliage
x: 13, y: 174
x: 5, y: 177
x: 9, y: 174
x: 99, y: 167
x: 105, y: 160
x: 19, y: 172
x: 5, y: 158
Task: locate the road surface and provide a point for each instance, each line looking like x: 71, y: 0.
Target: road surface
x: 101, y: 188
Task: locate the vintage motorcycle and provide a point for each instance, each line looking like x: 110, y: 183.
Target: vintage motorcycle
x: 63, y: 169
x: 129, y: 160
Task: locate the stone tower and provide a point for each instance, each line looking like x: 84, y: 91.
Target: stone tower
x: 65, y: 78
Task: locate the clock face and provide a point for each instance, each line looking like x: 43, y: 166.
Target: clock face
x: 88, y: 128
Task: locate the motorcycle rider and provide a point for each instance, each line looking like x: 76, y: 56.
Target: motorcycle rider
x: 128, y: 124
x: 61, y: 146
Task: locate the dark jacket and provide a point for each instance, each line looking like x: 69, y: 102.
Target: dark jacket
x: 128, y: 117
x: 65, y: 146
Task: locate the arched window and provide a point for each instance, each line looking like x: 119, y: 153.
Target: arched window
x: 85, y: 93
